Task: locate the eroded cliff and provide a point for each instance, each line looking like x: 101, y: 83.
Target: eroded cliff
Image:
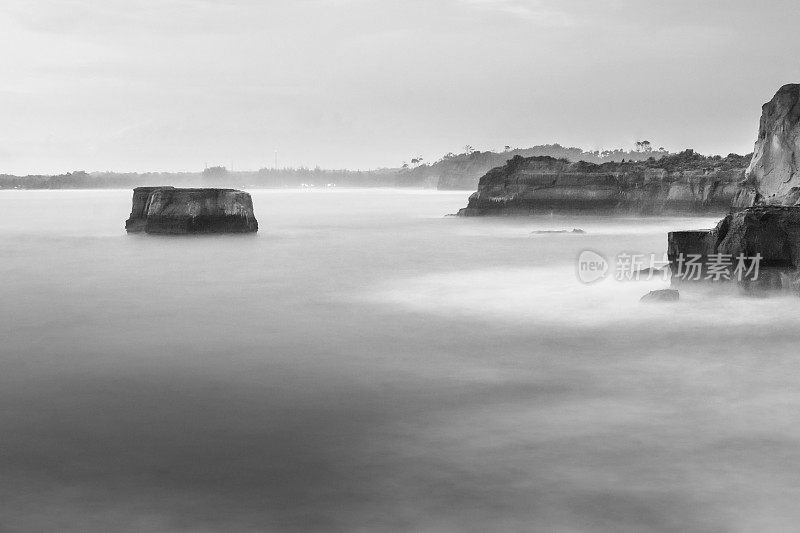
x: 684, y: 183
x: 763, y: 228
x: 773, y: 177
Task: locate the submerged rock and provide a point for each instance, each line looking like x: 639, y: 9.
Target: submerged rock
x: 663, y: 295
x: 546, y: 231
x: 169, y: 210
x: 773, y: 176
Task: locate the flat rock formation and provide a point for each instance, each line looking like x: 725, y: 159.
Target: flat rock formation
x: 684, y: 183
x: 773, y: 177
x: 170, y: 210
x: 549, y: 231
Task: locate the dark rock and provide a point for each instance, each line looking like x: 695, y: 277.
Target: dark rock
x: 769, y: 281
x: 683, y: 246
x: 687, y: 242
x: 763, y: 242
x: 168, y: 210
x: 663, y: 295
x: 773, y: 232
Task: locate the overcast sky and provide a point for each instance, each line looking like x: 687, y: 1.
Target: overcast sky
x: 174, y: 84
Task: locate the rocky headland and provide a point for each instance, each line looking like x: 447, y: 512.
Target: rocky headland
x: 678, y: 184
x: 761, y: 234
x: 170, y: 210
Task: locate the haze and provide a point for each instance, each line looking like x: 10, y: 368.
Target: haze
x: 174, y: 84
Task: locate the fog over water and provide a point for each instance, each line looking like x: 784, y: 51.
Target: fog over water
x: 364, y: 363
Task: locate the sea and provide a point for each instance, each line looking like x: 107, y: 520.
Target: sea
x: 366, y: 363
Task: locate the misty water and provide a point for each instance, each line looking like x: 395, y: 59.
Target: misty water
x: 364, y: 363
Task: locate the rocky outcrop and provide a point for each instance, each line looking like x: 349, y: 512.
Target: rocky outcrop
x: 773, y: 177
x: 772, y: 232
x: 169, y: 210
x: 140, y: 205
x: 757, y: 245
x: 692, y: 242
x: 550, y: 231
x: 758, y: 248
x: 685, y: 183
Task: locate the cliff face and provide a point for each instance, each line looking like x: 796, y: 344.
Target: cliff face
x: 685, y: 183
x: 769, y: 225
x: 462, y: 171
x: 167, y: 210
x: 773, y: 177
x: 770, y: 232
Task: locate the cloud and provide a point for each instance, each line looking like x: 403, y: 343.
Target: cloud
x: 532, y: 10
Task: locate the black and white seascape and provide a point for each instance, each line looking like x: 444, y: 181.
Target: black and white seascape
x: 351, y: 266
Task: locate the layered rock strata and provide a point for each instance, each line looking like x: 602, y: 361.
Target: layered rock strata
x: 684, y: 184
x: 170, y: 210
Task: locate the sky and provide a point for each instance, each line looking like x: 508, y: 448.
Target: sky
x: 174, y: 85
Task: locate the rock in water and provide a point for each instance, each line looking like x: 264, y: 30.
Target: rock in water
x: 773, y: 176
x: 772, y: 232
x: 547, y: 231
x: 691, y: 242
x: 169, y: 210
x: 663, y: 295
x: 766, y: 235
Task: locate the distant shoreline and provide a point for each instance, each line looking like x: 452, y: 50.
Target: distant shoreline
x: 451, y: 172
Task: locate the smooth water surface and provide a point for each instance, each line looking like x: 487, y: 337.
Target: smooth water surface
x: 364, y: 363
